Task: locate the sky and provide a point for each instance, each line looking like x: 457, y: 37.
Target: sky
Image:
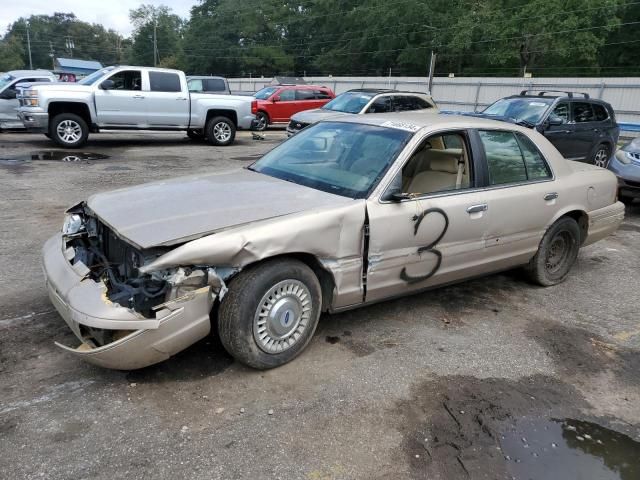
x: 111, y: 13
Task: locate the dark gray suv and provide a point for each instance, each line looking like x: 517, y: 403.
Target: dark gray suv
x: 580, y: 127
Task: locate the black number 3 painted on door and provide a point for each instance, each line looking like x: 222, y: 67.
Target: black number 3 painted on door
x: 427, y: 248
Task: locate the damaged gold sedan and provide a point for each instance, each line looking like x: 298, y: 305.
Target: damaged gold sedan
x: 343, y: 214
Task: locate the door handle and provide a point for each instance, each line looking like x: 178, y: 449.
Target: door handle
x: 551, y: 196
x: 483, y: 207
x: 138, y: 97
x: 181, y: 98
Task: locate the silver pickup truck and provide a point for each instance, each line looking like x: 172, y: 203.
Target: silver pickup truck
x: 132, y: 98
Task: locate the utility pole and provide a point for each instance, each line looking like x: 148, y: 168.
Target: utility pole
x: 52, y: 55
x: 155, y: 42
x: 432, y: 67
x: 68, y: 41
x: 29, y: 47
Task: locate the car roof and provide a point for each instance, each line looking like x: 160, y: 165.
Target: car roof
x: 27, y: 73
x: 286, y: 85
x: 421, y: 119
x: 203, y: 77
x: 372, y: 90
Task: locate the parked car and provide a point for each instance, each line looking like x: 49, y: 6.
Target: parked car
x: 580, y: 127
x: 363, y: 101
x: 217, y: 85
x: 343, y: 214
x: 626, y: 165
x: 8, y: 93
x: 136, y: 98
x: 276, y: 104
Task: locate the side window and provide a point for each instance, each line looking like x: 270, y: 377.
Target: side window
x: 562, y: 111
x: 403, y: 103
x: 599, y: 112
x: 287, y: 95
x: 305, y: 95
x: 164, y: 82
x: 195, y: 85
x: 537, y: 168
x: 582, y: 112
x: 381, y: 104
x: 433, y: 168
x: 321, y: 95
x: 504, y: 158
x: 421, y: 103
x: 214, y: 85
x: 127, y: 80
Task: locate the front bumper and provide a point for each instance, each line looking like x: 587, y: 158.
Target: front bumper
x: 141, y: 341
x: 604, y: 221
x: 628, y: 177
x: 36, y: 121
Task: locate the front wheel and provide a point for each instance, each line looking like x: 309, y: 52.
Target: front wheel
x: 68, y: 130
x: 601, y: 156
x: 220, y: 131
x: 270, y: 313
x: 556, y: 254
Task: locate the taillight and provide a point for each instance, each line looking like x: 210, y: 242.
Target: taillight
x: 254, y: 107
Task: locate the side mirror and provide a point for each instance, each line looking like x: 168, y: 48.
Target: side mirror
x: 8, y: 94
x: 399, y: 196
x: 107, y: 85
x: 554, y: 121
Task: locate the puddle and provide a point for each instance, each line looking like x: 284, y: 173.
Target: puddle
x: 563, y: 449
x: 248, y: 157
x: 52, y: 155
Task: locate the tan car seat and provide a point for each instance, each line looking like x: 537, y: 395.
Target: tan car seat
x: 445, y: 173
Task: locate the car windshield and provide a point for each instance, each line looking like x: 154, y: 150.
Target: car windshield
x: 265, y: 93
x: 91, y: 79
x: 5, y: 80
x: 349, y: 102
x: 529, y: 110
x: 346, y: 159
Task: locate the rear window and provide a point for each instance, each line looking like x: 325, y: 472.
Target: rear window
x: 164, y: 82
x: 321, y: 95
x: 599, y: 112
x: 304, y: 95
x: 582, y: 112
x: 214, y: 85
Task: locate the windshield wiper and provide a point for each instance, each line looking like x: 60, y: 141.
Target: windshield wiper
x: 525, y: 123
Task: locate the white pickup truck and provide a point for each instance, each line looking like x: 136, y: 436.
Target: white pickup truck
x: 132, y: 98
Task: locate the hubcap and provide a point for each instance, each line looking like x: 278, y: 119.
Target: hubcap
x: 222, y: 131
x: 262, y: 122
x: 558, y: 252
x: 602, y: 158
x: 282, y: 316
x: 69, y: 131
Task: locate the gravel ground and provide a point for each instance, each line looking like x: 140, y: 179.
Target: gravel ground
x: 428, y: 386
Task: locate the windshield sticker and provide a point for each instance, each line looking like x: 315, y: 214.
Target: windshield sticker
x: 410, y: 127
x: 537, y: 104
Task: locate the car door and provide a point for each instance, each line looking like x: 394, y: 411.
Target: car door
x: 585, y: 131
x: 522, y: 196
x: 125, y: 103
x: 435, y: 233
x: 284, y: 100
x: 561, y: 136
x: 9, y: 102
x: 167, y: 100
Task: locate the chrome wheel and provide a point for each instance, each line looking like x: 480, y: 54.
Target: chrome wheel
x: 282, y: 316
x: 222, y: 132
x: 69, y: 131
x: 601, y: 158
x: 261, y: 122
x: 559, y: 252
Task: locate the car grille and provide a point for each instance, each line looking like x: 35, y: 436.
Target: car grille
x: 634, y: 155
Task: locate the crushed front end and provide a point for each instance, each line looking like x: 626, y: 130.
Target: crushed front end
x: 124, y: 319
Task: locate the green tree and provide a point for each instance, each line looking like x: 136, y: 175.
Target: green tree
x: 11, y: 53
x: 154, y: 22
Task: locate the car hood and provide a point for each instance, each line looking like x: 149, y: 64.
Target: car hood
x: 178, y: 210
x: 313, y: 116
x: 61, y: 86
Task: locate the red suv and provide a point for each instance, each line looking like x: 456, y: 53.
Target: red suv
x: 276, y: 104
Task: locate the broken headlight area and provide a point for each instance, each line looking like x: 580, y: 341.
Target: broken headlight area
x: 116, y: 263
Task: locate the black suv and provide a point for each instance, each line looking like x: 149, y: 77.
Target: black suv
x: 581, y: 128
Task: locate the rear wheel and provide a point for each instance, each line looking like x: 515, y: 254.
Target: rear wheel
x: 556, y: 254
x: 601, y: 156
x: 68, y: 130
x: 220, y: 131
x: 262, y: 121
x: 270, y: 313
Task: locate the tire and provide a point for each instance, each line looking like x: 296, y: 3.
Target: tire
x: 262, y: 121
x: 68, y: 130
x: 263, y: 321
x: 195, y: 135
x: 220, y: 131
x: 601, y: 156
x: 556, y: 254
